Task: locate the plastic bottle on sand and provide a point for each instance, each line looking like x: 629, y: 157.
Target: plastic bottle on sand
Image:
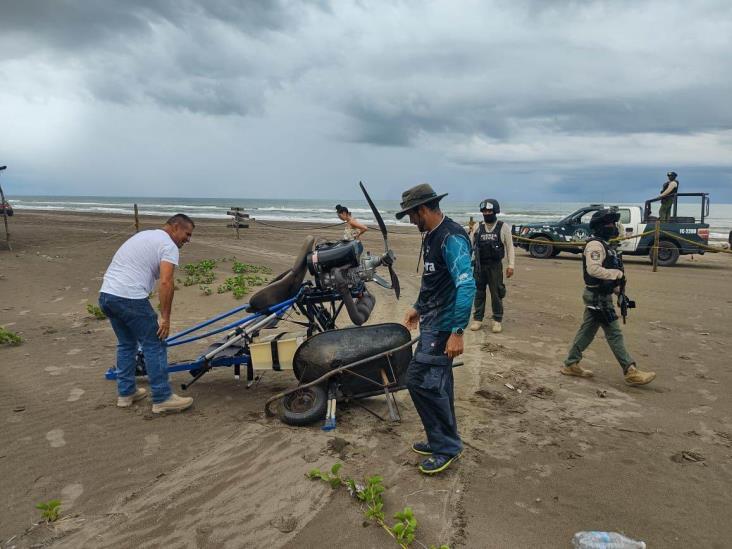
x: 605, y: 540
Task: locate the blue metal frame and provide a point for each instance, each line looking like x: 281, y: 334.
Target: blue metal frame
x: 174, y: 340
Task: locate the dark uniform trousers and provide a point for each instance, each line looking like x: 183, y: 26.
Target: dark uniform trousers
x: 491, y: 275
x: 430, y: 384
x: 664, y: 213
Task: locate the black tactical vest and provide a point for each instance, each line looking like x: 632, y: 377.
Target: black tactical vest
x: 665, y: 186
x: 613, y: 260
x: 437, y: 292
x: 488, y: 245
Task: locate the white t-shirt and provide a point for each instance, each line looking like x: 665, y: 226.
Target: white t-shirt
x: 136, y: 265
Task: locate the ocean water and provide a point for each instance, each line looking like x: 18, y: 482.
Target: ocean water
x: 320, y: 211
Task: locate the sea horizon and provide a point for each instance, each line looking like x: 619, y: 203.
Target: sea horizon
x: 323, y: 210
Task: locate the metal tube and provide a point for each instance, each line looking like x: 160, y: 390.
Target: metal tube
x: 172, y: 338
x: 229, y: 342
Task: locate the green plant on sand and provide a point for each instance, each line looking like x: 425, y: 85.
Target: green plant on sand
x: 9, y: 338
x: 50, y: 510
x: 370, y: 494
x: 95, y: 311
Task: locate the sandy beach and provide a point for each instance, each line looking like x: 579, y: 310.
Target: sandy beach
x: 550, y: 457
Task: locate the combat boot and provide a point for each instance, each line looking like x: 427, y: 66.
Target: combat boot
x: 127, y: 401
x: 634, y: 376
x: 475, y: 325
x: 174, y: 403
x: 575, y: 370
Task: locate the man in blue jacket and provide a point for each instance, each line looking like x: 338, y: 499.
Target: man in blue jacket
x: 442, y: 312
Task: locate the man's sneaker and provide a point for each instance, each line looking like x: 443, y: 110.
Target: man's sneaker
x: 422, y: 448
x: 436, y: 463
x: 127, y: 401
x: 497, y: 328
x: 174, y: 403
x: 575, y: 370
x: 636, y: 377
x: 475, y: 325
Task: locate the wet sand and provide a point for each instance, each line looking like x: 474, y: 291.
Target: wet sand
x: 561, y: 455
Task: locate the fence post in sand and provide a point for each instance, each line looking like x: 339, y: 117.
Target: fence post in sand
x: 5, y: 214
x: 656, y: 237
x: 240, y: 219
x: 137, y: 220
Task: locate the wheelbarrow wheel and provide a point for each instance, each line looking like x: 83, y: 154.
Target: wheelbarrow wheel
x: 304, y: 406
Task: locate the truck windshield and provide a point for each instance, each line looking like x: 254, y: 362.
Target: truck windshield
x: 574, y: 216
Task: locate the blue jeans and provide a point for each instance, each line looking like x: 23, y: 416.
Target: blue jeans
x: 135, y: 323
x: 430, y: 384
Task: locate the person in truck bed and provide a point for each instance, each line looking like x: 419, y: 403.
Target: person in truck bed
x: 668, y: 194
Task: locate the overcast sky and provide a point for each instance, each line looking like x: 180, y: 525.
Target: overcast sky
x: 519, y: 99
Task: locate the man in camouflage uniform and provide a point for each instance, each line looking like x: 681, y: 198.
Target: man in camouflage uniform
x: 668, y: 195
x: 603, y: 272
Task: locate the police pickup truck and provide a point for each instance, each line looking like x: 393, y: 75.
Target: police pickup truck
x: 575, y: 228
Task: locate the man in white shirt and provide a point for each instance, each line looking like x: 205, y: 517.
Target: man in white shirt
x: 492, y: 243
x: 129, y: 279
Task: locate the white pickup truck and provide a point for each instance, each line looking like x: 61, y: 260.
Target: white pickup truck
x: 634, y: 220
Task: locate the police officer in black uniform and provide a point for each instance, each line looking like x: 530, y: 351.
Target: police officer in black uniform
x: 602, y: 268
x: 492, y: 243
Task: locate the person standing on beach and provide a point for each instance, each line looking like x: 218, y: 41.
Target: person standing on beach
x: 602, y: 268
x: 128, y: 281
x: 442, y: 311
x: 668, y: 195
x: 492, y: 242
x: 354, y: 229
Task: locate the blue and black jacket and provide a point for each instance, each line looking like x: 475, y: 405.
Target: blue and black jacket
x: 447, y: 291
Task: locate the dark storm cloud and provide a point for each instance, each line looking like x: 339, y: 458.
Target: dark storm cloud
x: 74, y: 24
x: 199, y: 56
x: 686, y: 111
x: 561, y: 93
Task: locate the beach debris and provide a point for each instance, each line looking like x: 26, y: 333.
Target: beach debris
x: 338, y: 445
x: 542, y: 392
x: 684, y: 357
x: 602, y: 393
x: 491, y: 347
x: 688, y: 455
x: 510, y: 386
x: 284, y: 524
x: 495, y: 396
x: 19, y: 409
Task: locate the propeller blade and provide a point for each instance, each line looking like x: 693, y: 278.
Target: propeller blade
x: 377, y: 215
x: 394, y: 282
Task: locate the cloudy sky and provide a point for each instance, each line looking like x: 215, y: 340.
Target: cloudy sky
x: 521, y: 99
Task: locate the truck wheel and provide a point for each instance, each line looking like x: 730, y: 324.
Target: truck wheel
x: 304, y: 406
x: 541, y: 250
x: 556, y: 252
x: 668, y: 253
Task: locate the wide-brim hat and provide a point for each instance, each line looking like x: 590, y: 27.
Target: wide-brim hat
x: 416, y: 196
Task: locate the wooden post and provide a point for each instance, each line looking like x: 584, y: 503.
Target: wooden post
x: 656, y: 237
x: 5, y: 214
x: 241, y: 220
x: 471, y: 224
x: 137, y: 220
